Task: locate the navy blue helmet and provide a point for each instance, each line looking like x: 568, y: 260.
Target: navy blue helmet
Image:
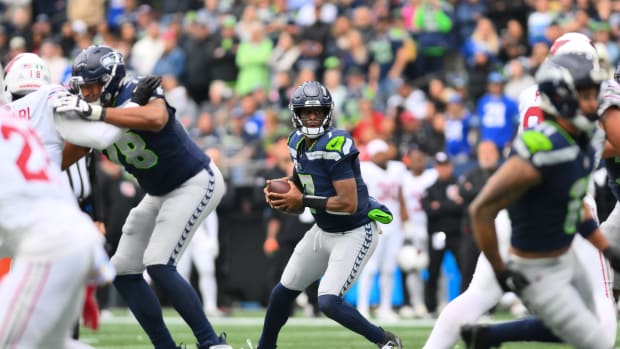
x: 311, y: 94
x: 99, y: 63
x: 559, y: 80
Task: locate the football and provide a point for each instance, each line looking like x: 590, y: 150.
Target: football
x: 279, y: 186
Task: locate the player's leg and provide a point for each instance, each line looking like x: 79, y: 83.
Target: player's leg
x: 611, y: 228
x: 204, y: 261
x: 481, y: 295
x: 348, y: 254
x: 394, y: 241
x: 41, y: 298
x: 560, y: 293
x: 364, y: 282
x: 135, y: 291
x: 181, y: 212
x: 435, y: 257
x: 305, y: 266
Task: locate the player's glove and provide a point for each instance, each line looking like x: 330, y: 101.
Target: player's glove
x: 512, y: 281
x: 90, y: 311
x: 144, y: 89
x: 76, y: 105
x: 612, y: 253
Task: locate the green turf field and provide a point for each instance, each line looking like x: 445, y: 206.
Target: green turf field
x: 122, y: 331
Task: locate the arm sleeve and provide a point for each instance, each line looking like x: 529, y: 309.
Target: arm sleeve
x: 90, y: 134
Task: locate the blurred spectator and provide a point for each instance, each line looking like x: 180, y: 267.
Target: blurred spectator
x: 604, y: 43
x: 357, y: 55
x: 66, y: 39
x: 362, y: 22
x: 415, y: 183
x: 513, y: 41
x: 172, y: 60
x: 316, y: 11
x: 41, y: 31
x: 444, y: 209
x: 332, y: 79
x: 177, y: 97
x: 497, y: 113
x: 91, y: 12
x: 51, y: 53
x: 467, y: 14
x: 199, y: 47
x: 225, y: 46
x: 457, y: 129
x: 20, y: 25
x: 252, y: 60
x: 284, y: 54
x: 483, y: 39
x: 248, y: 22
x: 469, y: 186
x: 357, y: 89
x: 478, y: 70
x: 433, y: 22
x: 409, y: 98
x: 518, y: 79
x: 538, y: 21
x: 313, y: 40
x: 370, y: 125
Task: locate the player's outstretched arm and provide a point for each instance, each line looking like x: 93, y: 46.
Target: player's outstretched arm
x: 151, y: 117
x: 510, y: 181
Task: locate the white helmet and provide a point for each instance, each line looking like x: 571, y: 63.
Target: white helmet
x: 411, y: 258
x: 573, y: 42
x: 25, y: 73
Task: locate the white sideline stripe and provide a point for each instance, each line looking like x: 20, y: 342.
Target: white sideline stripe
x: 258, y: 321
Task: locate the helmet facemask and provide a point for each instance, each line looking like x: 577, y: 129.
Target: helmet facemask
x: 311, y: 94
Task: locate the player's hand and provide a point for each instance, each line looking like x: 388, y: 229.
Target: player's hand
x: 76, y: 105
x: 512, y: 281
x: 270, y: 246
x: 144, y: 89
x: 90, y: 311
x: 612, y: 253
x: 290, y: 202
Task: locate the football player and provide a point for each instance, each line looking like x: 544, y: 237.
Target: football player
x: 56, y: 249
x: 327, y: 180
x: 182, y: 187
x: 543, y: 184
x: 384, y: 179
x: 483, y: 292
x: 29, y: 94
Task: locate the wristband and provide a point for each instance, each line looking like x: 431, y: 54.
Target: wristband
x: 316, y: 202
x: 586, y: 228
x: 102, y: 116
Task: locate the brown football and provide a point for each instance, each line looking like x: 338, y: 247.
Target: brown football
x: 278, y: 186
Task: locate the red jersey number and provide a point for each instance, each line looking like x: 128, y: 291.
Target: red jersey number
x: 533, y: 117
x: 30, y: 141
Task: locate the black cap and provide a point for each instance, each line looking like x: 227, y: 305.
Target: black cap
x: 442, y: 158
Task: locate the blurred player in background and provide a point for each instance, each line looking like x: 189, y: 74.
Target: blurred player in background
x: 327, y: 180
x: 543, y: 184
x: 415, y: 183
x: 384, y: 179
x: 56, y: 249
x: 182, y: 187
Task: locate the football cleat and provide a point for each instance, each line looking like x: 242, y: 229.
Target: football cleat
x: 223, y: 344
x: 391, y: 341
x: 475, y: 336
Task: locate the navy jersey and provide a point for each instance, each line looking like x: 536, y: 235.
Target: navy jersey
x: 546, y: 217
x: 162, y: 160
x: 331, y: 157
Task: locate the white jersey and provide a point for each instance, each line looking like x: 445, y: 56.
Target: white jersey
x: 37, y: 107
x: 385, y: 184
x: 35, y: 206
x: 530, y: 113
x: 413, y: 190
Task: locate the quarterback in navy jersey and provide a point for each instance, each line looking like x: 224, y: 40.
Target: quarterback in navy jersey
x: 327, y: 180
x: 182, y: 187
x: 543, y: 184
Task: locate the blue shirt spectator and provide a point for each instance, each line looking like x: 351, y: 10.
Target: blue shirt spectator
x: 498, y: 114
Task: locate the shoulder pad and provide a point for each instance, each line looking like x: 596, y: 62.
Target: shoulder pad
x: 536, y: 141
x: 337, y: 141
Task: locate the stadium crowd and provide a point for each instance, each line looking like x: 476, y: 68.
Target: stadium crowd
x: 436, y: 76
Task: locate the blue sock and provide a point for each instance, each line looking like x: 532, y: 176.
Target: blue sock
x: 186, y: 302
x: 278, y: 312
x: 144, y: 304
x: 342, y: 312
x: 530, y: 329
